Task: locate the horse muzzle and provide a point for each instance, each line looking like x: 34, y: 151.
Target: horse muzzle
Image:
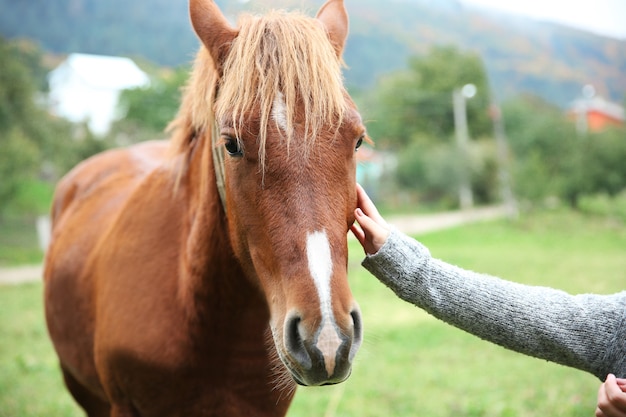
x: 324, y: 355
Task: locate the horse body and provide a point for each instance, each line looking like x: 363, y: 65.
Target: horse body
x: 191, y: 358
x: 163, y: 300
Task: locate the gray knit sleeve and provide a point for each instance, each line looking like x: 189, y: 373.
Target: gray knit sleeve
x: 587, y: 331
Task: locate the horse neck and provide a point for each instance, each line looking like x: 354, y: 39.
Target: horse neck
x: 211, y: 272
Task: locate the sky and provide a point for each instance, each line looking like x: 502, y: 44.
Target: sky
x: 604, y: 17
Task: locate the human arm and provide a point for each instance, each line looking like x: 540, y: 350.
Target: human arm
x: 612, y: 398
x: 587, y: 332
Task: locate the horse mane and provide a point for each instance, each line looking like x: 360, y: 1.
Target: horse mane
x: 278, y: 53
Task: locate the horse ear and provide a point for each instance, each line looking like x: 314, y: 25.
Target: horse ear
x: 334, y: 16
x: 212, y: 28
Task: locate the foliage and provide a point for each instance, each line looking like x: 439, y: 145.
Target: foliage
x: 543, y: 143
x: 547, y: 156
x: 434, y: 170
x: 23, y: 133
x: 431, y: 170
x: 19, y: 244
x: 17, y: 92
x: 601, y: 204
x: 410, y: 364
x: 18, y: 160
x: 550, y: 159
x: 603, y: 161
x: 34, y: 144
x: 413, y: 116
x: 153, y: 108
x: 418, y: 101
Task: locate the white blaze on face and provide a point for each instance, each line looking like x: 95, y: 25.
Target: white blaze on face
x: 279, y: 111
x: 321, y: 268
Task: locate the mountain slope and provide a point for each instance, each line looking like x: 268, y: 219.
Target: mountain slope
x: 520, y: 54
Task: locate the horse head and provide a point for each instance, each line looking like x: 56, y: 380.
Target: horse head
x: 288, y: 132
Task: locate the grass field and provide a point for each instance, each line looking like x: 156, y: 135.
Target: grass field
x: 411, y: 364
x: 18, y: 236
x: 18, y: 241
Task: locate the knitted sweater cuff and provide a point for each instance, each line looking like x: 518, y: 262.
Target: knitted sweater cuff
x: 398, y: 262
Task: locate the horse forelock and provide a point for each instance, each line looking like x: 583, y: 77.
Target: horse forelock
x: 279, y: 57
x: 286, y: 60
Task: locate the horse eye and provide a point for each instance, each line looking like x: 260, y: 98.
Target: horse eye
x: 358, y: 144
x: 233, y: 147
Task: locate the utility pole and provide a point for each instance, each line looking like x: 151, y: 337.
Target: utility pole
x: 466, y: 198
x: 502, y: 156
x: 582, y: 110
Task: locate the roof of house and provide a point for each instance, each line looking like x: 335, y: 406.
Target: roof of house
x: 101, y: 71
x: 600, y: 105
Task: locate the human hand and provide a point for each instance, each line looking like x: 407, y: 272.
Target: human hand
x: 374, y: 230
x: 612, y: 398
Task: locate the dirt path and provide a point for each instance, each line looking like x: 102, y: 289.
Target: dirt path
x: 20, y: 274
x: 414, y: 225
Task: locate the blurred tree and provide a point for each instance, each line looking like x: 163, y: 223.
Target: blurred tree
x: 545, y: 149
x: 20, y: 138
x: 418, y: 101
x: 434, y: 169
x: 16, y: 88
x: 411, y: 113
x: 28, y: 135
x: 552, y: 160
x: 18, y: 161
x: 604, y: 156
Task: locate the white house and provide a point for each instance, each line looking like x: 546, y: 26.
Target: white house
x: 86, y: 88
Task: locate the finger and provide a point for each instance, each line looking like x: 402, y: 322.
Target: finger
x: 604, y: 407
x: 358, y: 233
x: 364, y: 201
x: 369, y: 226
x: 614, y: 393
x: 375, y: 234
x: 367, y: 205
x: 610, y: 386
x: 364, y: 239
x: 611, y: 399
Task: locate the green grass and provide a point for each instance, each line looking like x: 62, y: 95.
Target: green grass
x: 30, y: 380
x: 18, y: 235
x: 18, y: 241
x: 33, y: 197
x: 410, y: 364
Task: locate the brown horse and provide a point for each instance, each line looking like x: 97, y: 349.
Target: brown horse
x: 163, y: 299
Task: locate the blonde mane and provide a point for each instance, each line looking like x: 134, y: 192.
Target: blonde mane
x: 278, y: 53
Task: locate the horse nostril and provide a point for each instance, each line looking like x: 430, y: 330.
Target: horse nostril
x: 294, y: 342
x: 358, y: 326
x: 357, y: 332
